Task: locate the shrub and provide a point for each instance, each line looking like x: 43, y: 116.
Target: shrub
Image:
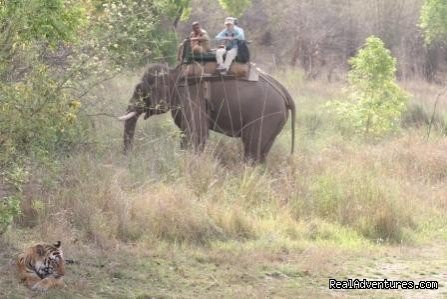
x: 376, y: 102
x: 9, y: 208
x: 36, y: 117
x: 36, y: 112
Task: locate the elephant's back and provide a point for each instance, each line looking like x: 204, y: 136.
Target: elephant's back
x: 236, y: 104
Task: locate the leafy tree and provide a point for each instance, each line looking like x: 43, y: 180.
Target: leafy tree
x: 376, y: 102
x: 433, y: 20
x: 235, y: 7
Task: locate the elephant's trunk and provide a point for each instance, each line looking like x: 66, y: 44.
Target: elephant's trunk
x: 129, y: 130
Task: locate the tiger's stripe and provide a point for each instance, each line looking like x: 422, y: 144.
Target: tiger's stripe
x: 42, y: 266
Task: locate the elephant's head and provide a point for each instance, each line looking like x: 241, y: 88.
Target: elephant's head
x: 151, y: 96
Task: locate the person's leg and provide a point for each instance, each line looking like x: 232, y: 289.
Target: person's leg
x: 219, y: 57
x: 197, y: 49
x: 231, y: 55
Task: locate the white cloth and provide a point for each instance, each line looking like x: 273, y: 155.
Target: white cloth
x: 231, y: 55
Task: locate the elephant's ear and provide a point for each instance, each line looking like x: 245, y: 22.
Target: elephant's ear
x: 142, y: 90
x: 148, y: 78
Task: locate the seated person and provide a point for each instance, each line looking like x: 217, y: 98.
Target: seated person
x: 230, y: 37
x: 236, y: 26
x: 200, y: 41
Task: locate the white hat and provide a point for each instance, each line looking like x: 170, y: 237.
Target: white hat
x: 229, y: 20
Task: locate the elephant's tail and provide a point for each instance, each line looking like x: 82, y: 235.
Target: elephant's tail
x: 290, y: 103
x: 292, y: 108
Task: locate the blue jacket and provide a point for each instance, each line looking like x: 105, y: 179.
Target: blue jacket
x: 236, y: 33
x: 242, y: 31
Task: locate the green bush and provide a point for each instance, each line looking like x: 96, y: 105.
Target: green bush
x: 375, y: 101
x: 36, y: 117
x: 9, y: 208
x: 36, y: 111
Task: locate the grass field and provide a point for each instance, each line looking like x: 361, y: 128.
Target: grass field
x: 165, y: 223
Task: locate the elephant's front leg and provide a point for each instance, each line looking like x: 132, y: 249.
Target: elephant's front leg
x: 194, y: 141
x: 193, y: 116
x: 195, y: 130
x: 184, y: 142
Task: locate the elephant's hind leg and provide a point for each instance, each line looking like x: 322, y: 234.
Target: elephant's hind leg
x: 253, y: 145
x: 258, y: 141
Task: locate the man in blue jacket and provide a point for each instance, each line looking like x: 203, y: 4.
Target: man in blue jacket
x: 229, y: 37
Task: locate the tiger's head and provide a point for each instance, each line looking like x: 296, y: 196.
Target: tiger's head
x: 42, y: 266
x: 47, y: 260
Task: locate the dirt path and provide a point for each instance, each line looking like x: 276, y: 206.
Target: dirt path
x: 422, y: 263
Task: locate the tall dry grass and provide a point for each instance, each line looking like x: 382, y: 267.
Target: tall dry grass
x: 332, y: 188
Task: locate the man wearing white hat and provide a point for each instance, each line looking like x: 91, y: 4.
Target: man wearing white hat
x: 230, y: 37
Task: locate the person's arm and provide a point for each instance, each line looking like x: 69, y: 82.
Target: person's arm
x: 221, y: 35
x: 202, y: 38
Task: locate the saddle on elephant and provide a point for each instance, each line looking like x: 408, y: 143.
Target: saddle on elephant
x: 205, y: 65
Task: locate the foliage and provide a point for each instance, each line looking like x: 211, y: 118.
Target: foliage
x: 376, y: 102
x: 47, y: 21
x: 9, y: 208
x: 235, y: 7
x: 174, y: 8
x: 433, y: 20
x: 15, y: 177
x: 131, y: 32
x: 35, y: 110
x: 37, y: 117
x: 55, y: 51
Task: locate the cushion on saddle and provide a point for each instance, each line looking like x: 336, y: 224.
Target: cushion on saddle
x: 202, y: 57
x: 197, y: 69
x: 206, y: 57
x: 243, y: 55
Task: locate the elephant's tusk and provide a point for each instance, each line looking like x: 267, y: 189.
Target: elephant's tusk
x: 128, y: 116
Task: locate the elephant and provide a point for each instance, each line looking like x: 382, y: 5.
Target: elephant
x: 254, y: 111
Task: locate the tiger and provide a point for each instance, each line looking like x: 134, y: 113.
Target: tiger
x: 42, y: 266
